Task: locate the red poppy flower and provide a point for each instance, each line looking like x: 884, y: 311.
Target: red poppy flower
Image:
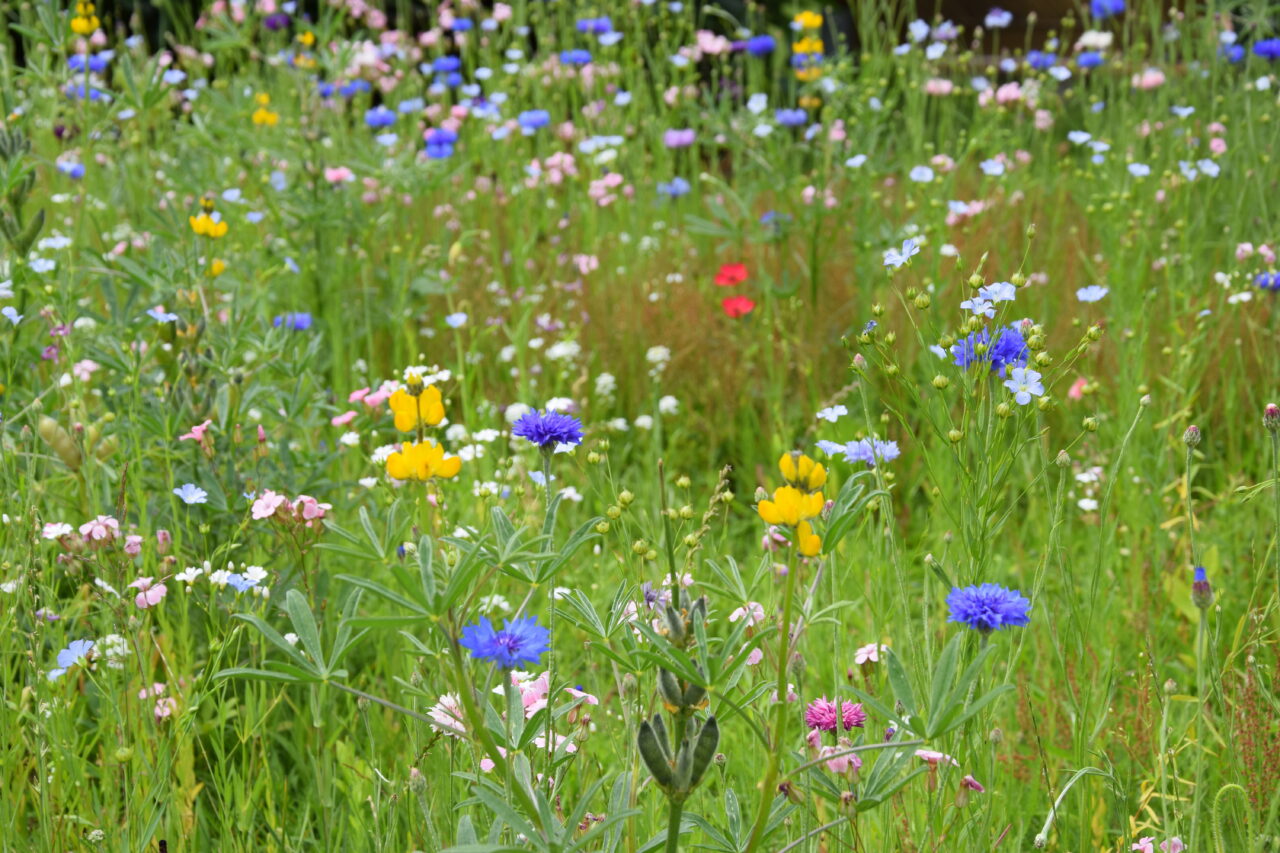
x: 737, y: 306
x: 731, y: 274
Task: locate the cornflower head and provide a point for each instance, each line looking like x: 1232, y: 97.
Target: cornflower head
x: 416, y: 406
x: 802, y: 472
x: 520, y: 641
x: 989, y: 607
x: 1201, y: 590
x: 422, y: 461
x: 548, y: 429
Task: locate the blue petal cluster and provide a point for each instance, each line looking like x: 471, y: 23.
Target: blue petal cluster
x: 521, y: 641
x: 1008, y: 350
x: 547, y: 429
x: 988, y: 607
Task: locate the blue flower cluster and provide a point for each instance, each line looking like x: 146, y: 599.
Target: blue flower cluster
x: 1008, y: 350
x: 989, y: 607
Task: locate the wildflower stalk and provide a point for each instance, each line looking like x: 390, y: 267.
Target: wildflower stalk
x: 551, y: 617
x: 1275, y: 492
x: 780, y: 712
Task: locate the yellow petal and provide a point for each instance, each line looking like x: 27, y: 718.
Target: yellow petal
x: 787, y: 465
x: 769, y: 512
x: 449, y: 467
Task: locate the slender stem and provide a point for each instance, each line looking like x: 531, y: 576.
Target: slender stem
x: 1191, y: 519
x: 1275, y: 491
x: 1202, y: 648
x: 673, y: 825
x: 780, y: 712
x: 551, y: 620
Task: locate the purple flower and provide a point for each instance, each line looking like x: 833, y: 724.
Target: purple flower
x: 679, y: 138
x: 296, y: 321
x: 277, y: 21
x: 827, y: 716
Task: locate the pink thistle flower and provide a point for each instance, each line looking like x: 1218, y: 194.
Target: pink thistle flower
x: 828, y: 716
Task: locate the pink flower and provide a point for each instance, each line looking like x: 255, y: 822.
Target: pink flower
x: 752, y: 611
x: 309, y: 508
x: 84, y: 370
x: 939, y: 86
x: 1243, y: 251
x: 197, y: 432
x: 357, y: 395
x: 163, y: 540
x: 1044, y: 119
x: 1150, y: 79
x: 972, y: 784
x: 102, y: 529
x: 133, y: 545
x: 1146, y: 844
x: 933, y: 758
x: 149, y: 594
x: 1217, y: 145
x: 339, y: 175
x: 754, y: 656
x: 1076, y: 391
x: 165, y: 706
x: 1267, y: 254
x: 792, y: 696
x: 446, y: 716
x: 56, y: 530
x: 1173, y: 845
x: 841, y: 764
x: 869, y: 653
x: 156, y: 689
x: 828, y: 716
x: 344, y: 418
x: 267, y: 504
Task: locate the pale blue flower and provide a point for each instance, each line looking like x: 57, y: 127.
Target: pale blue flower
x: 456, y: 320
x: 831, y: 414
x: 1092, y: 293
x: 191, y: 494
x: 979, y: 307
x: 992, y: 168
x: 921, y: 174
x: 1139, y: 170
x: 77, y: 651
x: 1025, y: 384
x: 1000, y: 291
x: 896, y: 258
x: 11, y: 315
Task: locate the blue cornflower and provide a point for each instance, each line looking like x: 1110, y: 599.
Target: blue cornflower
x: 379, y: 116
x: 446, y: 64
x: 1268, y: 49
x: 521, y: 641
x: 1103, y: 9
x: 806, y: 60
x: 97, y: 63
x: 1201, y: 590
x: 1233, y: 53
x: 93, y: 94
x: 988, y: 607
x: 674, y: 188
x: 353, y: 88
x: 761, y: 45
x: 462, y: 25
x: 325, y: 90
x: 72, y: 169
x: 547, y: 429
x: 577, y: 56
x: 440, y: 143
x: 791, y: 118
x: 1089, y: 59
x: 1267, y: 280
x: 298, y: 321
x: 531, y: 120
x: 76, y: 651
x: 595, y: 26
x: 190, y: 494
x: 1040, y: 60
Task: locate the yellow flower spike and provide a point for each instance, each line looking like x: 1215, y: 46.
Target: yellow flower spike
x: 807, y: 541
x: 262, y: 99
x: 808, y: 75
x: 423, y: 409
x: 802, y: 472
x: 422, y: 461
x: 205, y: 226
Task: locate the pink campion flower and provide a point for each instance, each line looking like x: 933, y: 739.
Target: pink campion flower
x: 1009, y: 93
x: 84, y: 369
x: 580, y: 698
x: 163, y: 540
x: 1244, y: 251
x: 56, y: 530
x: 267, y: 504
x: 773, y: 539
x: 1267, y: 254
x: 156, y: 689
x: 149, y: 594
x: 501, y: 12
x: 446, y: 716
x: 1152, y: 78
x: 939, y: 86
x: 972, y: 784
x: 1044, y: 120
x: 837, y: 133
x: 1173, y: 845
x: 752, y: 611
x: 1076, y: 391
x: 309, y: 509
x: 197, y: 432
x: 1217, y: 145
x: 870, y: 653
x: 841, y: 764
x: 1146, y: 844
x: 754, y: 656
x: 828, y: 716
x: 933, y: 758
x: 357, y: 395
x: 104, y: 528
x: 339, y: 175
x: 792, y: 696
x: 344, y: 418
x: 165, y: 706
x: 133, y: 545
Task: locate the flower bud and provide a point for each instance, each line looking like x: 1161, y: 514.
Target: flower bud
x: 1063, y: 459
x: 941, y: 382
x: 922, y: 301
x: 1191, y: 438
x: 625, y: 498
x: 1201, y: 591
x: 1090, y: 424
x: 1271, y: 418
x: 955, y: 435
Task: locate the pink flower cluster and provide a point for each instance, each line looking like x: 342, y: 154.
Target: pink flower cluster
x: 304, y: 509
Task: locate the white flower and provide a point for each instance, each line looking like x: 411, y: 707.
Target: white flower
x: 564, y: 351
x: 668, y: 405
x: 349, y: 439
x: 57, y: 530
x: 757, y: 103
x: 1087, y: 504
x: 644, y: 422
x: 559, y: 404
x: 606, y: 384
x: 832, y: 414
x: 516, y: 411
x: 188, y: 575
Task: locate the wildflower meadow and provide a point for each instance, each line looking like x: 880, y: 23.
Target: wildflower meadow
x: 640, y: 425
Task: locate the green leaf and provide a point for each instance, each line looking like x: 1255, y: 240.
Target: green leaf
x: 259, y: 675
x: 273, y: 636
x: 943, y: 674
x: 304, y: 625
x: 901, y: 684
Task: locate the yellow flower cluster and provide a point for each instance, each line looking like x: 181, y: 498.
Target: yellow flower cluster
x: 262, y: 115
x: 205, y: 225
x: 415, y: 407
x: 794, y: 504
x: 808, y: 48
x: 85, y: 21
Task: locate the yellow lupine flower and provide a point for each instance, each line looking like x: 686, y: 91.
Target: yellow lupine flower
x: 807, y: 541
x: 808, y: 20
x: 790, y: 506
x: 262, y: 115
x: 422, y: 461
x: 808, y: 45
x: 425, y: 409
x: 308, y: 38
x: 205, y: 226
x: 85, y: 21
x: 808, y: 75
x: 802, y: 472
x: 217, y: 267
